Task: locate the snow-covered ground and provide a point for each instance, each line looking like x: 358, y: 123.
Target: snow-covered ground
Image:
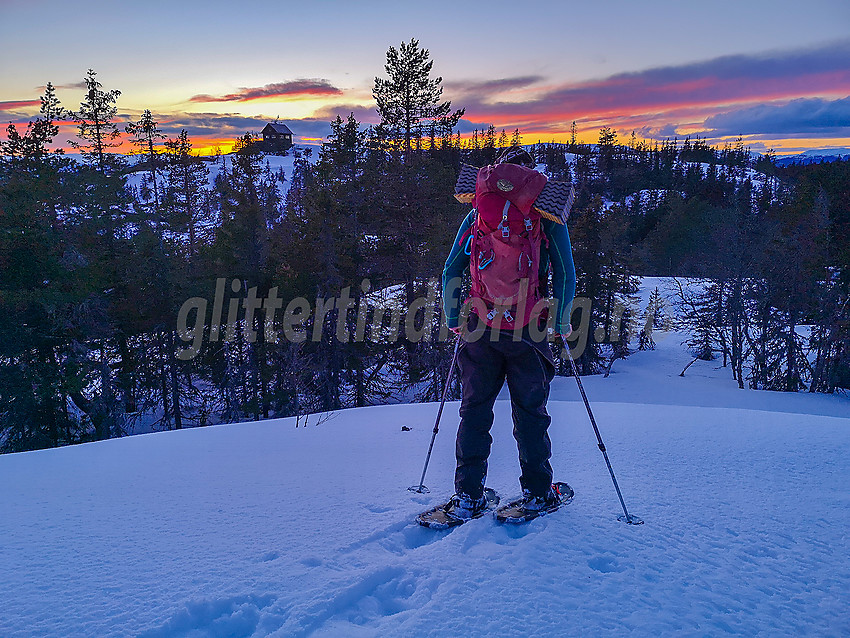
x: 260, y: 528
x: 275, y: 162
x: 652, y: 196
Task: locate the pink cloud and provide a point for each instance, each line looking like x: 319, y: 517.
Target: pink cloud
x: 280, y: 90
x: 694, y: 91
x: 18, y: 104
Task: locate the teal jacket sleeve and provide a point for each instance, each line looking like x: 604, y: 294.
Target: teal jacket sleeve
x: 563, y: 273
x: 456, y: 264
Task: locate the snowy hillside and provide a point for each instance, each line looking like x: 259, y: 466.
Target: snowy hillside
x: 813, y: 156
x: 257, y: 529
x: 275, y: 163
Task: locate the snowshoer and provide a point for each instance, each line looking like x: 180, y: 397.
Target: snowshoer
x: 507, y: 244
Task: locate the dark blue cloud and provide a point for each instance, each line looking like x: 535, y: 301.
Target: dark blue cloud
x: 728, y: 79
x: 467, y: 126
x: 233, y: 125
x: 15, y: 117
x: 364, y: 113
x: 209, y: 124
x: 491, y: 88
x: 657, y: 132
x: 815, y: 116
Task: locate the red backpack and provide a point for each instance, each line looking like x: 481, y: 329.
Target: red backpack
x: 504, y: 244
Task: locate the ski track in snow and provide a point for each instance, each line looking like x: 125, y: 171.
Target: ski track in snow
x: 258, y: 529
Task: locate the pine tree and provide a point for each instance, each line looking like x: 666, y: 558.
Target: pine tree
x: 417, y: 215
x: 101, y: 216
x: 409, y: 101
x: 96, y: 127
x: 33, y: 144
x: 146, y: 136
x: 106, y: 203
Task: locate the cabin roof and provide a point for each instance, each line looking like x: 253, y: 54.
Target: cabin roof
x: 279, y: 127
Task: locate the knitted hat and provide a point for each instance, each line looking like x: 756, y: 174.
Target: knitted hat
x: 516, y: 155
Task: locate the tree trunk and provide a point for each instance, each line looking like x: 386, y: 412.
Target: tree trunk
x: 163, y: 382
x: 682, y: 373
x: 791, y: 378
x: 175, y: 385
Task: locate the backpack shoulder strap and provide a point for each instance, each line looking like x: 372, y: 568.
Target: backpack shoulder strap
x: 465, y: 240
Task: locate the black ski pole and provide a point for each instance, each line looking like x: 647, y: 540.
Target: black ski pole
x: 421, y: 487
x: 628, y: 518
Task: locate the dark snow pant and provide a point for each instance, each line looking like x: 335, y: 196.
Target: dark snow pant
x: 484, y: 366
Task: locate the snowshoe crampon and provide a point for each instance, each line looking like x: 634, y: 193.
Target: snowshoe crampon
x: 440, y: 518
x: 516, y: 512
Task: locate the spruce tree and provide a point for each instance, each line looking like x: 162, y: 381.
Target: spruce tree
x: 40, y: 288
x: 187, y: 177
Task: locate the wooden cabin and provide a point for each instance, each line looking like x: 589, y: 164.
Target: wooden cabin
x: 276, y: 137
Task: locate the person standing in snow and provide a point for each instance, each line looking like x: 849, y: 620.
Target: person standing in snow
x: 507, y: 244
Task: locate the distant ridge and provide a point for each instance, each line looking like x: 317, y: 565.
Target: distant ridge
x: 814, y: 156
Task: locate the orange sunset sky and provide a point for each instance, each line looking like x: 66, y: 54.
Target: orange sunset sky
x: 777, y: 73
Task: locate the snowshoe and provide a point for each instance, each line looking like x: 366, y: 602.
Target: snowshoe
x: 529, y: 507
x: 458, y: 510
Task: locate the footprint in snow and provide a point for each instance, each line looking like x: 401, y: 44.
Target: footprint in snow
x: 605, y: 564
x: 238, y: 616
x: 378, y: 509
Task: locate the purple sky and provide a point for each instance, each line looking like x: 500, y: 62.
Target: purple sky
x: 776, y: 72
